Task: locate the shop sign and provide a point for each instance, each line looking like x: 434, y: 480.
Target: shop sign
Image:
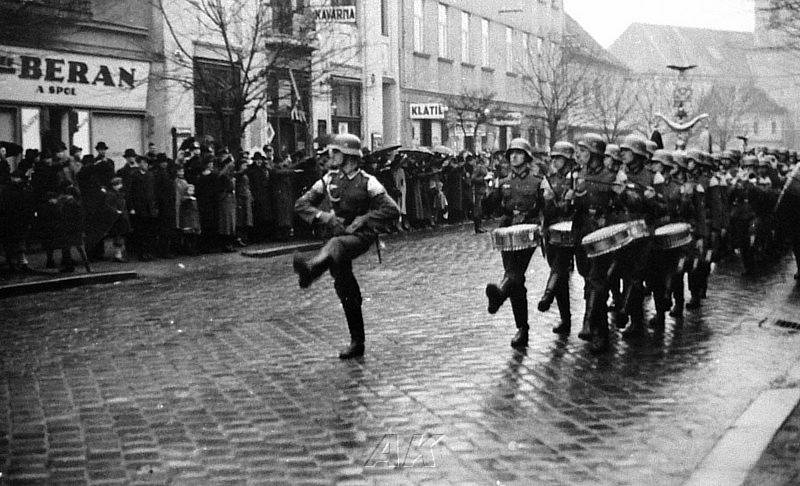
x: 50, y: 77
x: 511, y: 119
x: 427, y: 111
x: 346, y: 13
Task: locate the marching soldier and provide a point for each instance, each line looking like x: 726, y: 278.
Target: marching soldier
x: 701, y: 267
x: 636, y: 200
x: 742, y: 214
x: 592, y: 211
x: 359, y: 207
x: 557, y: 209
x: 613, y: 164
x: 521, y: 202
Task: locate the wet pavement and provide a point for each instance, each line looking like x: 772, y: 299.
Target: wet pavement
x: 224, y: 372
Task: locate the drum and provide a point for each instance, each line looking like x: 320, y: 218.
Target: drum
x: 515, y: 238
x: 560, y: 234
x: 673, y: 236
x: 638, y: 229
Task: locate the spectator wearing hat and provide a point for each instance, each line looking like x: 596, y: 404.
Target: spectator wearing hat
x: 16, y: 218
x: 194, y: 164
x: 258, y: 177
x: 478, y: 173
x: 131, y: 166
x: 143, y: 209
x: 121, y: 227
x: 283, y: 197
x: 453, y: 178
x: 206, y: 193
x: 164, y: 175
x: 104, y: 166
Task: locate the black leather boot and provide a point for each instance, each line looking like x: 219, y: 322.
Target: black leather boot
x: 595, y: 311
x: 355, y: 324
x: 519, y: 306
x: 657, y: 323
x: 635, y: 329
x: 497, y: 294
x: 566, y: 317
x: 599, y: 342
x: 549, y: 293
x: 310, y: 269
x: 694, y: 303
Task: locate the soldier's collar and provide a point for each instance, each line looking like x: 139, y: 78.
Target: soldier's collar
x: 520, y: 174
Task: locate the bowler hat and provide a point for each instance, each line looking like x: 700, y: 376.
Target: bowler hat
x: 101, y: 146
x: 129, y: 153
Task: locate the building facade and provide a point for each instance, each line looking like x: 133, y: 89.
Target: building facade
x: 76, y: 72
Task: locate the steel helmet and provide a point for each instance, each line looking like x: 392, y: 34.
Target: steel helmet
x: 696, y: 155
x: 612, y: 150
x: 749, y: 161
x: 635, y: 144
x: 727, y: 155
x: 347, y: 144
x: 520, y: 144
x: 651, y: 147
x: 563, y: 149
x: 594, y: 143
x: 663, y: 156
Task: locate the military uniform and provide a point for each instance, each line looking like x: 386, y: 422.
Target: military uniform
x: 560, y: 258
x: 520, y: 194
x: 359, y: 206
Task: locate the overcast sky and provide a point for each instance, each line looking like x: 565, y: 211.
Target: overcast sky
x: 605, y: 20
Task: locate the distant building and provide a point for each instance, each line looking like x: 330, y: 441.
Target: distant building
x: 724, y: 58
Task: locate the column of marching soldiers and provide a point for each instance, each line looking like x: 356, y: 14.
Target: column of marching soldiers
x: 633, y: 219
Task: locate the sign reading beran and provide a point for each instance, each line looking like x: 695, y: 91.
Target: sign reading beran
x: 345, y: 13
x: 427, y: 111
x: 50, y: 77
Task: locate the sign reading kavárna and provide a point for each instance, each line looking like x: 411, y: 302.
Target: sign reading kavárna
x: 35, y: 76
x: 335, y: 14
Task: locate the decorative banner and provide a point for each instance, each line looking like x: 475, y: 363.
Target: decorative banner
x: 50, y: 77
x: 427, y: 111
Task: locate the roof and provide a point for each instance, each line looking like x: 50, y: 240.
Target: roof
x: 650, y: 48
x: 588, y: 44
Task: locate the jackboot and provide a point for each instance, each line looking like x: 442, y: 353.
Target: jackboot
x: 599, y: 342
x: 636, y: 329
x: 355, y: 324
x: 694, y: 303
x: 497, y: 294
x: 549, y: 293
x: 566, y: 317
x: 519, y: 306
x: 310, y: 269
x: 593, y: 301
x: 657, y: 323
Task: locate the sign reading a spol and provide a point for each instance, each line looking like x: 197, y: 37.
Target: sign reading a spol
x: 50, y: 77
x: 427, y: 111
x: 335, y: 14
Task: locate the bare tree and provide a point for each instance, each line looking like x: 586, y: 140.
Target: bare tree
x: 472, y: 106
x: 610, y: 104
x: 250, y: 45
x: 726, y: 106
x: 783, y: 16
x: 652, y: 94
x: 558, y: 76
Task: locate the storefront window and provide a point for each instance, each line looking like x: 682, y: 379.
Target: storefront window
x: 346, y: 108
x: 216, y: 115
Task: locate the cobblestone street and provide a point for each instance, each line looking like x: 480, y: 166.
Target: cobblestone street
x: 223, y: 371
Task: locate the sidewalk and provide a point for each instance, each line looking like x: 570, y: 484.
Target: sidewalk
x: 40, y: 279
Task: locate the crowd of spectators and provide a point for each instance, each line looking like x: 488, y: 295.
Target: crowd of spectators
x: 207, y: 199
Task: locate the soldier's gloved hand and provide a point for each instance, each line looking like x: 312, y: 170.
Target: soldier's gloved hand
x: 548, y: 194
x: 357, y: 223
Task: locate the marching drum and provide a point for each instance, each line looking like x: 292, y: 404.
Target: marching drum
x: 515, y: 238
x: 560, y: 234
x: 607, y: 240
x: 671, y: 236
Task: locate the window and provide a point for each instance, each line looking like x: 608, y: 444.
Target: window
x: 774, y: 127
x: 216, y: 113
x: 282, y: 16
x: 384, y: 19
x: 484, y: 42
x: 526, y: 45
x: 418, y: 23
x: 442, y: 22
x: 465, y: 37
x: 755, y: 127
x: 509, y: 49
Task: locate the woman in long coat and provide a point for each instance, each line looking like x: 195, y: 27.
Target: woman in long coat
x: 226, y: 203
x: 244, y: 204
x: 205, y: 189
x: 283, y: 200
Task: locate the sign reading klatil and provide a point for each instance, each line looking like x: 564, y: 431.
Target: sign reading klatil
x: 335, y: 14
x: 49, y: 77
x: 427, y: 111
